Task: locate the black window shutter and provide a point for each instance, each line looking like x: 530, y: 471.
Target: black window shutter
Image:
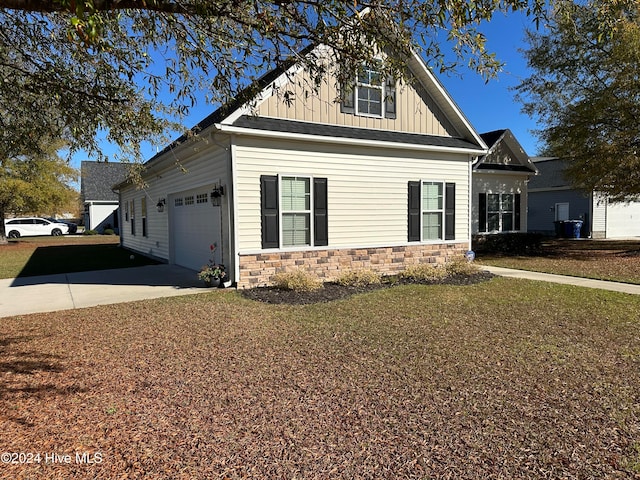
x: 482, y: 212
x: 320, y: 223
x: 450, y: 211
x: 414, y: 211
x: 269, y: 211
x: 390, y: 99
x: 516, y: 211
x: 347, y: 100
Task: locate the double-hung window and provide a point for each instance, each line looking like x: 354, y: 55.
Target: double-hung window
x: 295, y: 202
x: 143, y: 207
x: 499, y: 212
x: 432, y: 211
x: 133, y: 217
x: 371, y: 94
x: 293, y: 211
x: 370, y: 89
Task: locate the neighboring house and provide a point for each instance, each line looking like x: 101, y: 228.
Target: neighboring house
x: 500, y: 185
x: 99, y: 200
x: 379, y: 180
x: 552, y: 198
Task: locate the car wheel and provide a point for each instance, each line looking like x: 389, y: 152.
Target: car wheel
x: 56, y: 232
x: 14, y: 234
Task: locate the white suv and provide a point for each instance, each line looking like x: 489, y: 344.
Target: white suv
x: 30, y: 226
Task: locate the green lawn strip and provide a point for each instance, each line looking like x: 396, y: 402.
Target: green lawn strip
x: 508, y: 378
x: 596, y: 269
x: 613, y: 260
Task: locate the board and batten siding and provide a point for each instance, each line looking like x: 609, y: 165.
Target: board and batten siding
x: 206, y: 165
x: 367, y: 188
x: 416, y: 112
x: 497, y: 183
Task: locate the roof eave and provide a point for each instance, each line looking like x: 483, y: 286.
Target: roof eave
x: 230, y: 129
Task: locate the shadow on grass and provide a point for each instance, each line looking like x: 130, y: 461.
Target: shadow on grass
x: 51, y: 260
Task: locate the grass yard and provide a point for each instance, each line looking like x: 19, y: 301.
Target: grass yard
x: 617, y: 260
x: 30, y: 256
x: 503, y: 379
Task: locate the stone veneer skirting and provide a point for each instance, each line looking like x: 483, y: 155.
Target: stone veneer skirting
x: 257, y: 270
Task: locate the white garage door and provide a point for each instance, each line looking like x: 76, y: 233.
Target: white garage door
x: 195, y: 226
x: 623, y: 220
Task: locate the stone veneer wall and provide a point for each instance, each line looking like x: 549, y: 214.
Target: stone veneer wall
x: 256, y: 270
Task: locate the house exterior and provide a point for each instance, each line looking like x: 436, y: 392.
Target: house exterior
x: 99, y: 200
x: 553, y: 198
x: 500, y: 180
x: 379, y: 180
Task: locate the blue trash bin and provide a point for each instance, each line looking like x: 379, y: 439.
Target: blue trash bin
x: 572, y: 228
x: 577, y: 228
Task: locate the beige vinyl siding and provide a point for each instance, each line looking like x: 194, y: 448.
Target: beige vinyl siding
x: 496, y: 183
x: 204, y: 166
x: 416, y: 112
x: 599, y: 216
x: 367, y: 187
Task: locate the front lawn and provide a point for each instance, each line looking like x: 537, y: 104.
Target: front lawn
x: 30, y: 256
x: 502, y: 379
x: 617, y: 260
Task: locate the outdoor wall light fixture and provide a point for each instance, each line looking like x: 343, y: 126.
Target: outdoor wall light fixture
x: 217, y: 192
x: 160, y: 205
x: 216, y: 195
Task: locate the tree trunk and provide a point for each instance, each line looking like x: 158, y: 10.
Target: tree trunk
x: 3, y: 232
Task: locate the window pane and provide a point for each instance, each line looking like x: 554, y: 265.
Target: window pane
x: 431, y: 226
x: 369, y: 76
x: 507, y: 203
x: 493, y: 202
x: 432, y: 196
x: 493, y: 222
x: 507, y: 222
x: 296, y: 229
x: 370, y: 100
x: 296, y: 193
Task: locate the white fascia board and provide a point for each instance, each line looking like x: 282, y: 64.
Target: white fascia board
x: 503, y: 172
x: 344, y: 141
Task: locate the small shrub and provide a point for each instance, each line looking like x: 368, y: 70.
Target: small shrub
x: 108, y: 231
x: 423, y: 272
x: 90, y: 232
x: 460, y: 266
x: 359, y: 278
x: 509, y: 243
x: 297, y: 280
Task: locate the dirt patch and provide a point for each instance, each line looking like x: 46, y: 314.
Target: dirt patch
x: 333, y: 291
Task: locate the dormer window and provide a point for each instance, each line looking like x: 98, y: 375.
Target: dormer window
x: 370, y: 95
x: 370, y: 92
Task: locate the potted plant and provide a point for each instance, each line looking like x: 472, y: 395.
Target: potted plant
x: 212, y: 273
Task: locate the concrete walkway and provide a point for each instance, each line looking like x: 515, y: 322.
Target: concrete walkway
x: 580, y: 282
x: 50, y: 293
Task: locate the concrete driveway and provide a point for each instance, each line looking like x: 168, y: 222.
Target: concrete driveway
x: 50, y: 293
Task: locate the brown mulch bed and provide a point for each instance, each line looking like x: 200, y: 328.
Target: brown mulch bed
x: 331, y: 291
x: 505, y: 379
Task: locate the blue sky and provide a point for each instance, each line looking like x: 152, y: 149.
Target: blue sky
x: 488, y: 106
x: 492, y: 106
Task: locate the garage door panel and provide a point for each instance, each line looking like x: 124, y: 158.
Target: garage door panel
x: 195, y: 226
x: 623, y: 220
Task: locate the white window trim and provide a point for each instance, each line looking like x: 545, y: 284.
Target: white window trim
x: 383, y: 91
x: 501, y: 212
x: 281, y: 211
x: 441, y: 211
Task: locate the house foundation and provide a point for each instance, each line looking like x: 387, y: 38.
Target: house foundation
x: 328, y: 264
